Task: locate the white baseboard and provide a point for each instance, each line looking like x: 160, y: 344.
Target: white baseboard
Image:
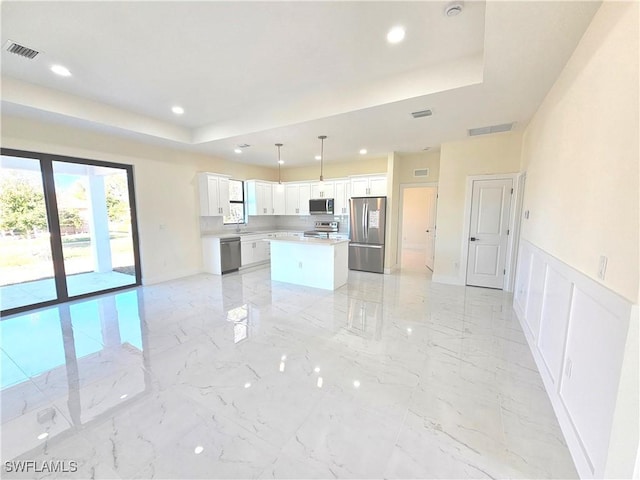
x: 389, y: 271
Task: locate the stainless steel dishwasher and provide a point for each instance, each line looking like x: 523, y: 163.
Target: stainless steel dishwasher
x: 230, y: 254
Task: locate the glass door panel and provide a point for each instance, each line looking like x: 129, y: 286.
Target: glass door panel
x: 26, y: 265
x: 95, y: 227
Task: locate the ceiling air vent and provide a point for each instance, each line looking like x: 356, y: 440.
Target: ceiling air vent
x: 421, y: 172
x: 26, y: 52
x: 422, y: 113
x: 503, y: 127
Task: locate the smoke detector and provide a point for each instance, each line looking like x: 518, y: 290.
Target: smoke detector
x: 453, y: 9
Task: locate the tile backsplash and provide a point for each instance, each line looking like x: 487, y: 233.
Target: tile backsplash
x: 271, y: 222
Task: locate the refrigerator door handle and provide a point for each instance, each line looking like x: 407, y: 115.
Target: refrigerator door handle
x: 364, y: 245
x: 364, y: 215
x: 366, y: 221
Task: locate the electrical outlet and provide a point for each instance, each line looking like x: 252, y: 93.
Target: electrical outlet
x: 602, y: 269
x: 299, y: 264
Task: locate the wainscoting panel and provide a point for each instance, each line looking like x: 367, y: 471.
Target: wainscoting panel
x: 576, y: 329
x: 536, y: 294
x: 554, y: 321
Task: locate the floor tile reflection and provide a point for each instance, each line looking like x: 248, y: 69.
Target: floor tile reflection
x: 238, y: 377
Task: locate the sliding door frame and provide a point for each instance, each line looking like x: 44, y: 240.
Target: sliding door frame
x: 48, y: 181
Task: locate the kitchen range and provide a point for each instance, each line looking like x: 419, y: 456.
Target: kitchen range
x: 322, y: 229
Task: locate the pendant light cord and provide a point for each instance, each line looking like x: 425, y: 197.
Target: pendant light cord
x: 321, y: 137
x: 279, y: 164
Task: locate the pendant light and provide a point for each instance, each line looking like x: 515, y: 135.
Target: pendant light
x: 280, y: 162
x: 321, y: 137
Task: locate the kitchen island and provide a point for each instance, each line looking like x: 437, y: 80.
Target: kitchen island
x: 312, y: 262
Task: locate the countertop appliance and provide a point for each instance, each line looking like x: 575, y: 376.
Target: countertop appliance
x: 368, y: 217
x: 230, y: 254
x: 321, y: 206
x: 322, y: 229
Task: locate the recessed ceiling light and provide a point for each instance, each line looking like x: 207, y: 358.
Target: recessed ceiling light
x: 60, y: 70
x: 395, y: 35
x: 198, y: 450
x: 363, y: 151
x: 237, y: 150
x: 177, y: 110
x: 318, y: 157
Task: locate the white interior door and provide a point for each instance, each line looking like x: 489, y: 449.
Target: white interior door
x: 432, y: 196
x: 488, y: 232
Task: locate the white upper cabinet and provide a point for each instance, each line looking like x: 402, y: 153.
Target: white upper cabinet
x: 297, y: 197
x: 369, y: 186
x: 341, y: 197
x: 304, y: 196
x: 214, y: 195
x: 259, y: 198
x: 322, y: 190
x: 279, y: 199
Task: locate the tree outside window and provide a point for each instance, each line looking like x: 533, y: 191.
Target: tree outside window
x: 236, y: 203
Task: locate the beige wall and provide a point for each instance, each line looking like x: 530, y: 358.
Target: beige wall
x: 165, y: 181
x: 412, y: 161
x: 335, y: 170
x: 490, y: 154
x: 581, y: 155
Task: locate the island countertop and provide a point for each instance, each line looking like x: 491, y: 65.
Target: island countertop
x: 307, y: 240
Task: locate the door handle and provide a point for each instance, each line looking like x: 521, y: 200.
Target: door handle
x: 473, y: 239
x: 427, y: 231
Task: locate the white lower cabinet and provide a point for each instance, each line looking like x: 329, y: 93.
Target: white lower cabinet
x: 246, y: 252
x: 254, y: 249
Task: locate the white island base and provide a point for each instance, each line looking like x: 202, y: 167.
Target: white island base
x: 312, y: 262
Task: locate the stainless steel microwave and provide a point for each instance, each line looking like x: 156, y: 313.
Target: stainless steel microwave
x: 321, y: 206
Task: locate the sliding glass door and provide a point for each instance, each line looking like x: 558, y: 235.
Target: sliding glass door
x: 26, y: 264
x: 67, y: 229
x: 95, y: 227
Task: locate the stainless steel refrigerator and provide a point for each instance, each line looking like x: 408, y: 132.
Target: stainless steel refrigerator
x: 367, y: 227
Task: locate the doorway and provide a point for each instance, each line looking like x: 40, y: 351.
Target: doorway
x: 67, y: 229
x: 418, y: 227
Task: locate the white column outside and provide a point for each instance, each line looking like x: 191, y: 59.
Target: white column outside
x: 99, y: 224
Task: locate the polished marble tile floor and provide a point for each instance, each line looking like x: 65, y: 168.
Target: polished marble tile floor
x: 391, y: 376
